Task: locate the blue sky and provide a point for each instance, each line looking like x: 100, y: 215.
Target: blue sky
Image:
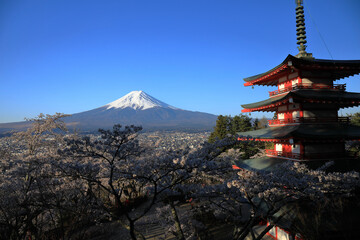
x: 70, y: 56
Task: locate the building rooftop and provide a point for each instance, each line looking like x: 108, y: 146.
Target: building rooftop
x: 336, y: 69
x: 309, y: 132
x: 339, y: 98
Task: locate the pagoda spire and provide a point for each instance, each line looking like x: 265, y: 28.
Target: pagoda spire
x: 300, y: 30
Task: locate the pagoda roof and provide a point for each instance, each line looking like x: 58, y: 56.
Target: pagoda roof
x: 341, y: 99
x: 305, y: 131
x: 263, y: 163
x: 258, y: 106
x: 336, y: 69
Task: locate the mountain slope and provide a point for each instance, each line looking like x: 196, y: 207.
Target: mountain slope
x: 135, y: 108
x: 139, y: 108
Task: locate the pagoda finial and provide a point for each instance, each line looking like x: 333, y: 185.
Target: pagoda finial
x: 300, y: 30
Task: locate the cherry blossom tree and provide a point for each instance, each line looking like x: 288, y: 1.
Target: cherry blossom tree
x: 43, y: 136
x: 274, y: 195
x: 32, y: 192
x: 115, y: 164
x: 53, y: 186
x: 292, y: 193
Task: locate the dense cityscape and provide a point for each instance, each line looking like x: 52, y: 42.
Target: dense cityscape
x: 173, y: 140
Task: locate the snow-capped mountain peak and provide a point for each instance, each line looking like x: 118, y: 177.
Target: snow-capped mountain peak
x: 138, y: 100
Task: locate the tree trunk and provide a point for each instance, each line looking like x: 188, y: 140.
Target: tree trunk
x: 132, y: 230
x: 246, y: 230
x: 179, y: 233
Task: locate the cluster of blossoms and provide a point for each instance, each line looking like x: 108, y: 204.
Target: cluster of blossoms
x: 295, y: 180
x: 54, y: 184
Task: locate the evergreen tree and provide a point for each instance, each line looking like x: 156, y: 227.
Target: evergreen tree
x: 227, y: 126
x: 221, y: 130
x: 240, y: 123
x: 355, y: 119
x: 275, y: 116
x: 354, y: 146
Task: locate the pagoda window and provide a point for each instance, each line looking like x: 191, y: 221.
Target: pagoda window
x: 295, y: 148
x: 295, y: 114
x: 282, y: 86
x: 281, y: 116
x: 295, y: 82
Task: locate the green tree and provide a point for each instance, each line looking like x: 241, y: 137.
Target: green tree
x: 275, y: 116
x: 227, y: 126
x: 222, y: 128
x: 355, y: 119
x: 240, y: 123
x: 354, y: 146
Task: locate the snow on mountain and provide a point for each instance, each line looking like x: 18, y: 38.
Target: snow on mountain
x: 136, y: 108
x: 138, y: 100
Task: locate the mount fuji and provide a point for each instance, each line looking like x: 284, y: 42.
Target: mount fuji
x: 138, y: 100
x: 139, y: 108
x: 135, y: 108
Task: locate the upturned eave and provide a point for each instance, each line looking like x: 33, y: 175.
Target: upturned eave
x: 337, y: 69
x: 322, y: 133
x: 338, y: 99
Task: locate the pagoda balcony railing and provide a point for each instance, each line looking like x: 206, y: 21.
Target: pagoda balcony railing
x: 345, y: 120
x: 309, y: 156
x: 283, y: 154
x: 338, y: 87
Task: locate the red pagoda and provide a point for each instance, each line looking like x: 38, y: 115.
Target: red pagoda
x: 307, y: 126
